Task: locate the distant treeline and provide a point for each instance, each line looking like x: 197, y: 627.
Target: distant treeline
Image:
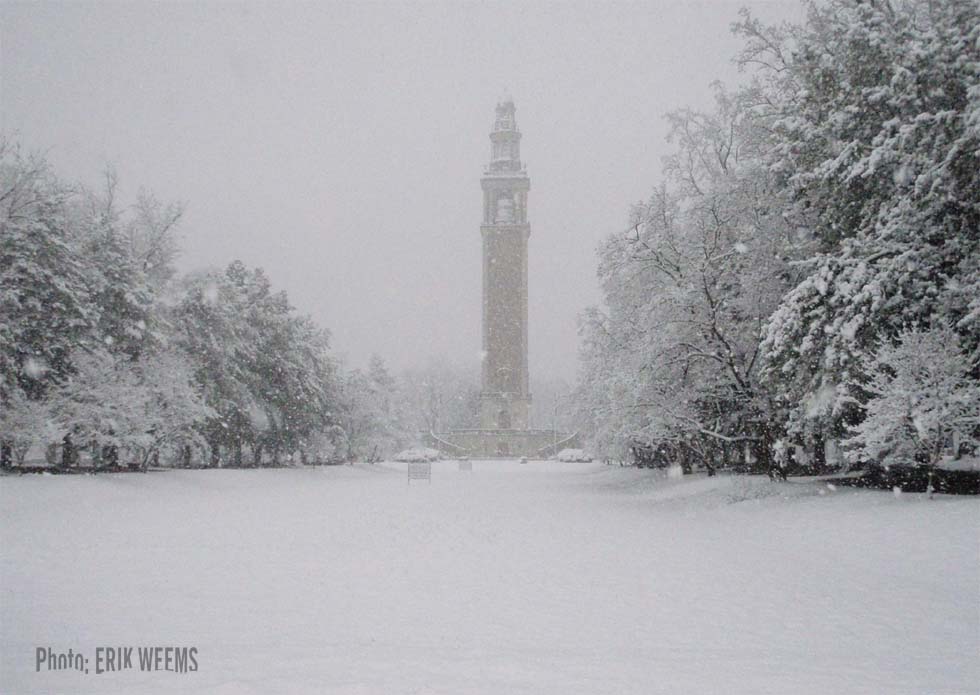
x: 108, y: 359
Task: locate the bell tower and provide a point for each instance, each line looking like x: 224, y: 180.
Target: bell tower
x: 505, y: 399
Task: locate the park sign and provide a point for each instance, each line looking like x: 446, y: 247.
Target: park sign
x: 419, y: 470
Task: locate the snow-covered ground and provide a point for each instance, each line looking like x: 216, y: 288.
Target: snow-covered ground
x: 538, y: 578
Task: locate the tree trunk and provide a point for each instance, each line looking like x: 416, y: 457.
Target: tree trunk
x: 686, y: 460
x: 110, y: 454
x: 819, y: 453
x: 67, y: 451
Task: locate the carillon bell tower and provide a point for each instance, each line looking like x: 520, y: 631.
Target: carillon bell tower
x: 505, y: 398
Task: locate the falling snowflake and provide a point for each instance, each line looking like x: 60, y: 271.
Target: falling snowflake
x: 35, y: 367
x: 904, y: 175
x: 210, y: 293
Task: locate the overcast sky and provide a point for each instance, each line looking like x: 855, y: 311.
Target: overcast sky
x: 339, y: 146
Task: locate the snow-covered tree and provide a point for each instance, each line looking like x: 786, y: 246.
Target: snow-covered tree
x: 45, y: 300
x: 358, y: 416
x: 86, y: 294
x: 128, y: 254
x: 440, y: 396
x: 874, y: 111
x: 921, y: 398
x: 151, y: 238
x: 264, y: 369
x: 133, y: 408
x: 25, y: 422
x: 674, y: 355
x: 553, y: 405
x: 75, y: 277
x: 395, y: 429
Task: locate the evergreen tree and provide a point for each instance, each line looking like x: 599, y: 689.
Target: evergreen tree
x: 921, y: 398
x: 45, y: 298
x: 264, y: 370
x: 874, y: 110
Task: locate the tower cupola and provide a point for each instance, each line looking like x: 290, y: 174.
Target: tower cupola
x: 505, y: 139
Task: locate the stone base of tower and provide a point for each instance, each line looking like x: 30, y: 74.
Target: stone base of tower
x: 504, y: 411
x: 501, y: 443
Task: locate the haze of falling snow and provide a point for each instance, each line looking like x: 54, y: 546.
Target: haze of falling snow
x: 342, y: 153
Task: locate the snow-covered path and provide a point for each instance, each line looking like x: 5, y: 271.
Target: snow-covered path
x: 538, y: 578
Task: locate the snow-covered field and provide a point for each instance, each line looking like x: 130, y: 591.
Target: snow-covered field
x: 538, y: 578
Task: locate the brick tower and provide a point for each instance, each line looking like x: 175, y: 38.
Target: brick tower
x: 505, y: 400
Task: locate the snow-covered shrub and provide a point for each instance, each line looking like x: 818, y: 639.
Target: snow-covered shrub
x: 574, y: 456
x: 24, y: 423
x: 322, y: 449
x: 921, y: 395
x: 138, y: 406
